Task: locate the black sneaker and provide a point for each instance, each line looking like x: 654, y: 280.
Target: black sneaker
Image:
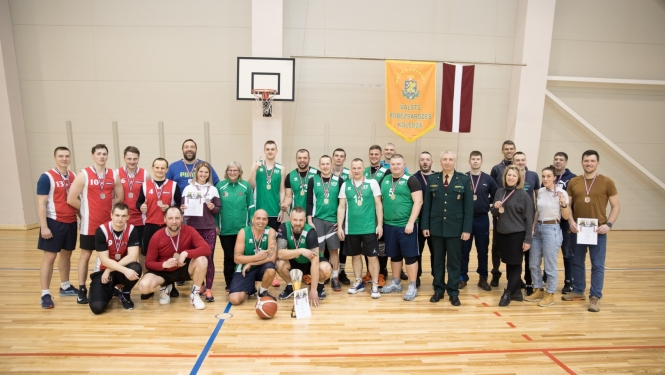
x: 495, y: 280
x: 343, y: 278
x: 288, y: 292
x: 126, y: 301
x: 418, y: 282
x: 327, y: 281
x: 174, y: 291
x: 82, y: 298
x: 567, y: 287
x: 403, y: 276
x: 266, y: 294
x: 321, y: 289
x: 47, y: 302
x: 179, y: 283
x: 529, y: 290
x: 522, y: 284
x: 146, y: 296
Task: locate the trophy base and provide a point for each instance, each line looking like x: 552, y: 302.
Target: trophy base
x: 293, y: 312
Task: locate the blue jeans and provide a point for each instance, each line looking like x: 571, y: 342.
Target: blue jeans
x: 567, y: 251
x: 481, y: 231
x: 597, y: 256
x: 545, y: 245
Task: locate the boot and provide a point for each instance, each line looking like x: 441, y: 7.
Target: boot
x: 505, y: 299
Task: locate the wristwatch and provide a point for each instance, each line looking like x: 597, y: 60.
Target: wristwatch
x: 609, y: 224
x: 566, y: 206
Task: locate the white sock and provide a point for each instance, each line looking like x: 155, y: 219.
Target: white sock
x: 335, y: 274
x: 262, y: 289
x: 289, y: 284
x: 45, y: 292
x: 196, y: 289
x: 65, y: 284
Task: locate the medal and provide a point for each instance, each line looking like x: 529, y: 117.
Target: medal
x: 189, y: 180
x: 268, y: 175
x: 130, y: 195
x: 175, y: 244
x: 359, y: 193
x: 360, y: 202
x: 117, y: 257
x: 302, y: 193
x: 326, y: 190
x: 65, y: 181
x: 102, y: 196
x: 268, y: 187
x: 159, y: 203
x: 117, y: 240
x: 475, y: 197
x: 130, y: 181
x: 475, y: 186
x: 501, y: 210
x: 176, y: 256
x: 190, y: 173
x: 392, y: 196
x: 393, y: 185
x: 325, y: 200
x: 101, y: 184
x: 459, y: 196
x: 587, y: 199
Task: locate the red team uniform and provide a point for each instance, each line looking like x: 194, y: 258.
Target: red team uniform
x: 60, y: 216
x: 96, y: 201
x: 131, y: 186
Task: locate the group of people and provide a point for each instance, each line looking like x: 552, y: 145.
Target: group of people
x: 143, y: 231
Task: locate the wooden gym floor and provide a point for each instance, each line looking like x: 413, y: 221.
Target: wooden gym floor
x: 348, y: 333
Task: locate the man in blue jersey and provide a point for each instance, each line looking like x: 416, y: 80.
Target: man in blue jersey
x: 184, y: 170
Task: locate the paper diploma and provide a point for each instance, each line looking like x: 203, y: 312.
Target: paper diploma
x: 301, y: 303
x: 586, y: 231
x: 194, y: 206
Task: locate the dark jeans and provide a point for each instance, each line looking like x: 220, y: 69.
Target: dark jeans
x: 421, y: 244
x: 228, y: 244
x: 101, y: 294
x: 481, y: 232
x: 567, y: 247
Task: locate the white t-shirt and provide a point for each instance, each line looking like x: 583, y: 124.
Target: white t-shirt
x: 548, y: 204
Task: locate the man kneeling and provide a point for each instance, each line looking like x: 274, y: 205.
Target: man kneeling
x: 117, y: 246
x: 299, y: 249
x: 254, y: 254
x: 176, y: 253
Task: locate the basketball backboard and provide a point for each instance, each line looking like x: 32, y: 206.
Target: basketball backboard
x: 266, y: 73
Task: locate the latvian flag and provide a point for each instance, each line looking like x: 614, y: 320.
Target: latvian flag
x: 456, y: 98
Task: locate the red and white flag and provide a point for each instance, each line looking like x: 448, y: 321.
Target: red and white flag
x: 456, y: 98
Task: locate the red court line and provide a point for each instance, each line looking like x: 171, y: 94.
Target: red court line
x: 442, y: 353
x: 511, y: 325
x: 486, y: 305
x: 527, y: 337
x: 497, y: 313
x: 125, y: 355
x: 474, y: 296
x: 564, y: 367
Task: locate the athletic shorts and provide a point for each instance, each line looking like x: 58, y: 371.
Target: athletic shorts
x: 64, y: 237
x: 139, y: 232
x: 361, y: 244
x: 170, y: 277
x: 327, y: 233
x: 273, y: 223
x: 246, y: 283
x: 149, y: 230
x: 306, y: 268
x: 400, y: 244
x: 87, y: 242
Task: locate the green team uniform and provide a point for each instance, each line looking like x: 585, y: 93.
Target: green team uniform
x: 396, y: 212
x: 266, y: 193
x: 325, y: 208
x: 299, y: 186
x: 360, y: 219
x: 346, y: 172
x: 302, y: 242
x: 250, y: 249
x: 382, y: 171
x: 237, y: 206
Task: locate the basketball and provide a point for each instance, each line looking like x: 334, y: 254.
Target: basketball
x: 266, y: 307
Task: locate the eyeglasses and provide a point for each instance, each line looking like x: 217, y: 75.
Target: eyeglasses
x: 232, y: 171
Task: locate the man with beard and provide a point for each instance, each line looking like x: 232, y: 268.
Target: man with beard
x: 425, y: 164
x: 295, y: 183
x: 376, y: 172
x: 184, y: 170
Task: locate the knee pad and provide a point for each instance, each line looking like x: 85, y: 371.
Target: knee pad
x: 397, y: 259
x: 410, y: 260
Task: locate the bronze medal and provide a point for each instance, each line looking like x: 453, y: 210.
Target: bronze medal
x: 475, y: 197
x: 501, y: 210
x: 176, y: 256
x: 117, y: 257
x: 587, y: 199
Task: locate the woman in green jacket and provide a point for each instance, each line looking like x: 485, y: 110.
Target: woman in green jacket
x: 237, y: 209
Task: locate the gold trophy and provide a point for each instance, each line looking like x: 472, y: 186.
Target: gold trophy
x: 296, y: 279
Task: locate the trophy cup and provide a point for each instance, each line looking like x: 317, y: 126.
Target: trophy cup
x: 296, y: 279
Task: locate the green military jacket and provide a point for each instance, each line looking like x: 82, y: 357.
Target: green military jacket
x: 448, y: 212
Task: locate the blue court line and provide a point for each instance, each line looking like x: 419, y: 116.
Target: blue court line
x: 206, y: 349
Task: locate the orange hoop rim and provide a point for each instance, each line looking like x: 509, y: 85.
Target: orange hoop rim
x: 264, y: 94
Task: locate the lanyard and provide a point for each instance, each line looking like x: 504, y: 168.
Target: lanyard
x: 103, y: 180
x: 190, y: 173
x: 257, y: 243
x: 359, y: 192
x: 268, y: 175
x: 130, y: 178
x: 207, y: 190
x: 303, y: 182
x: 117, y: 240
x: 175, y: 244
x: 326, y: 190
x: 475, y: 186
x: 158, y: 189
x: 65, y: 180
x: 393, y: 184
x: 588, y: 189
x: 293, y: 237
x: 424, y: 178
x: 506, y: 198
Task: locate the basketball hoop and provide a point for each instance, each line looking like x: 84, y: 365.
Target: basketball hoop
x: 264, y: 99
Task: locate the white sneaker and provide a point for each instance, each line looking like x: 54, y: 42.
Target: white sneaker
x: 391, y: 288
x: 375, y: 292
x: 411, y: 293
x: 165, y: 295
x: 195, y: 299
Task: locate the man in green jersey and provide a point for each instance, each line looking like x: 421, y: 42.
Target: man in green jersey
x: 376, y: 172
x: 361, y: 211
x: 402, y: 200
x: 339, y: 170
x: 448, y: 218
x: 295, y: 184
x: 255, y: 255
x: 298, y: 248
x: 322, y: 200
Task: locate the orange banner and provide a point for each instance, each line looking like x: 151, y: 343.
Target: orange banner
x: 410, y: 98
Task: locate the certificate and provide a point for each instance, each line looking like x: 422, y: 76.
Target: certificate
x: 301, y: 303
x: 194, y: 206
x: 586, y: 231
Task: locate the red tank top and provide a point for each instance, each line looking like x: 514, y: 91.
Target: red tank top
x: 96, y: 199
x: 154, y: 193
x: 56, y: 206
x: 117, y: 246
x: 131, y: 186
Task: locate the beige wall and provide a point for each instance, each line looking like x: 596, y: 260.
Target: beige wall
x: 618, y: 39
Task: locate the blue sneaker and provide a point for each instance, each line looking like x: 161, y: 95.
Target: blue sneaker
x: 47, y: 302
x: 358, y: 286
x: 69, y: 292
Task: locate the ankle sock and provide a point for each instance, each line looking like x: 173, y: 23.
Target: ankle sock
x: 335, y: 274
x: 196, y: 289
x: 65, y: 284
x: 413, y: 284
x: 262, y: 289
x: 45, y: 292
x: 341, y: 267
x: 397, y: 281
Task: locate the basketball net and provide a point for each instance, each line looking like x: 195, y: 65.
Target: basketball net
x: 264, y: 99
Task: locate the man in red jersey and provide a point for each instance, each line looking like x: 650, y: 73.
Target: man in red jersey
x: 93, y: 193
x: 176, y: 253
x: 57, y: 222
x: 132, y: 178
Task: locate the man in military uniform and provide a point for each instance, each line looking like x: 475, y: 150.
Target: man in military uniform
x: 448, y: 218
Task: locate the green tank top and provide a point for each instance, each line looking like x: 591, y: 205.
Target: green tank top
x: 346, y: 172
x: 396, y: 212
x: 360, y: 218
x: 299, y: 186
x: 376, y: 176
x: 266, y: 193
x: 302, y: 241
x: 325, y: 206
x: 250, y: 247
